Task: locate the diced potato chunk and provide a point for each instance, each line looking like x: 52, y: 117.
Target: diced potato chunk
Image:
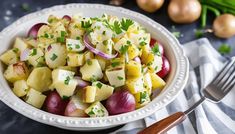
x: 103, y: 91
x: 35, y: 98
x: 17, y: 71
x: 58, y: 28
x: 133, y: 69
x: 55, y: 55
x: 96, y: 110
x: 157, y: 82
x: 69, y: 68
x: 75, y: 30
x: 20, y: 44
x: 91, y: 70
x: 40, y: 79
x: 133, y: 51
x: 88, y: 55
x: 64, y: 82
x: 75, y: 59
x: 135, y: 85
x: 120, y: 44
x: 106, y: 46
x: 45, y: 35
x: 89, y: 93
x: 103, y: 62
x: 154, y: 62
x: 116, y: 75
x: 36, y: 57
x: 73, y: 45
x: 10, y: 56
x: 20, y: 88
x: 148, y: 82
x: 142, y: 98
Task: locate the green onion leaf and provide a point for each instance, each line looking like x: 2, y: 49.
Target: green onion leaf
x: 54, y: 57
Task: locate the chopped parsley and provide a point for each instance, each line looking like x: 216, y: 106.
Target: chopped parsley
x: 128, y: 42
x: 104, y: 32
x: 120, y: 78
x: 65, y: 97
x: 63, y: 33
x: 15, y: 50
x: 89, y: 62
x: 91, y: 112
x: 60, y: 39
x: 54, y: 57
x: 224, y: 49
x: 155, y: 49
x: 142, y: 43
x: 86, y: 24
x: 99, y: 85
x: 66, y: 81
x: 34, y: 52
x: 125, y: 23
x: 114, y: 64
x: 123, y: 49
x: 116, y: 27
x: 143, y: 97
x: 77, y: 46
x: 93, y: 78
x: 156, y: 68
x: 78, y: 38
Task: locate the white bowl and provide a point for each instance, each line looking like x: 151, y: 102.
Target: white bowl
x: 175, y: 83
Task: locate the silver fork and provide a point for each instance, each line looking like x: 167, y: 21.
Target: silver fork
x: 215, y: 91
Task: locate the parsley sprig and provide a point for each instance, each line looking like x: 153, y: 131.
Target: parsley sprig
x: 125, y: 23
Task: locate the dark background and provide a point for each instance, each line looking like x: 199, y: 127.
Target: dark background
x: 12, y: 122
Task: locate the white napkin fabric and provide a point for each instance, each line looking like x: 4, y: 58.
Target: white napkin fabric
x: 208, y: 118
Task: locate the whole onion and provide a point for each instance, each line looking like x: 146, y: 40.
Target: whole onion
x: 165, y: 68
x: 224, y: 26
x: 33, y: 31
x: 120, y: 102
x: 184, y: 11
x: 150, y: 5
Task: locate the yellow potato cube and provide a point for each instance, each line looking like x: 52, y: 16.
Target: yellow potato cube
x: 69, y: 68
x: 10, y: 56
x: 103, y: 91
x: 75, y: 59
x: 133, y: 52
x: 148, y: 83
x: 157, y: 82
x: 96, y: 110
x: 116, y: 75
x: 103, y: 62
x: 40, y: 79
x: 88, y: 55
x: 89, y: 94
x: 17, y: 71
x: 20, y: 44
x: 35, y: 98
x: 36, y: 57
x: 135, y: 85
x: 142, y: 98
x: 20, y: 88
x: 91, y: 70
x: 133, y: 69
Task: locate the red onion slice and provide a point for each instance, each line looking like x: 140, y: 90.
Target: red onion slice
x: 33, y: 31
x: 24, y: 54
x: 89, y: 46
x: 68, y: 18
x: 81, y: 83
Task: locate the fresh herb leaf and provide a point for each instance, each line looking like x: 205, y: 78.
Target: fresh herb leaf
x: 78, y: 38
x: 143, y: 97
x: 125, y: 23
x: 120, y: 78
x: 63, y: 33
x: 15, y: 50
x: 89, y: 62
x: 104, y: 32
x: 199, y: 33
x: 128, y: 42
x: 114, y: 64
x: 91, y: 112
x: 65, y: 97
x: 176, y: 34
x: 34, y: 52
x: 93, y: 78
x: 123, y: 49
x: 155, y: 49
x: 225, y: 49
x: 61, y: 39
x: 54, y: 57
x: 25, y: 7
x: 86, y: 24
x: 66, y: 81
x: 99, y: 85
x: 77, y: 46
x: 142, y: 43
x: 116, y: 27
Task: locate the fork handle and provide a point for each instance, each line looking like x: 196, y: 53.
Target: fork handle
x: 164, y: 125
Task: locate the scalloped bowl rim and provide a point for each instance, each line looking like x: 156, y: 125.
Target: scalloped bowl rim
x: 74, y: 123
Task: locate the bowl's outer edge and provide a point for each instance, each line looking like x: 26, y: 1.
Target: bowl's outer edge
x: 175, y: 88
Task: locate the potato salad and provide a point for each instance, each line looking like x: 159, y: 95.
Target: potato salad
x: 86, y: 66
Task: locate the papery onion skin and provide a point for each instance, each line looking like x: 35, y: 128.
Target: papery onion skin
x: 54, y: 103
x: 184, y: 11
x: 33, y: 31
x: 89, y: 46
x: 120, y: 102
x: 224, y: 26
x: 150, y: 5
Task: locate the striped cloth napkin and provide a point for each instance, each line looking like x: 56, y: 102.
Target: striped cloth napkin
x: 208, y: 118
